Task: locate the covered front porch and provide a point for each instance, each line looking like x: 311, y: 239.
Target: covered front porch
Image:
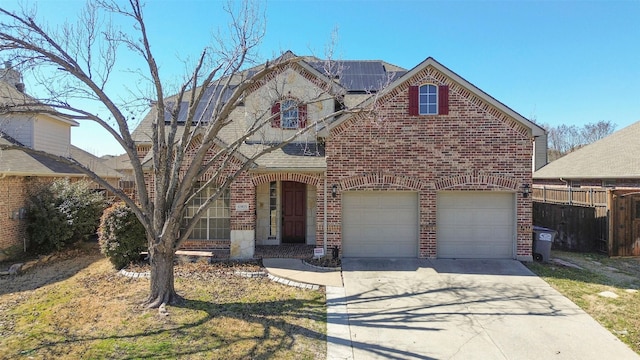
x: 263, y: 215
x: 286, y: 212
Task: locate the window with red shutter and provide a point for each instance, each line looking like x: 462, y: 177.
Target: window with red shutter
x: 302, y: 116
x: 428, y: 99
x: 287, y: 114
x: 413, y: 100
x: 275, y: 112
x: 443, y: 100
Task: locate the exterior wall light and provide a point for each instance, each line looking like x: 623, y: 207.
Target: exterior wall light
x: 334, y: 190
x: 526, y: 190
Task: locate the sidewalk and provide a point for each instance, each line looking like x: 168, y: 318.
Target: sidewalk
x: 296, y: 270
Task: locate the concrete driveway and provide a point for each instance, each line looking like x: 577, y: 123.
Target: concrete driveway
x: 458, y: 309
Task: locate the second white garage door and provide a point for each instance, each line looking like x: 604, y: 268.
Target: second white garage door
x: 380, y: 224
x: 475, y: 224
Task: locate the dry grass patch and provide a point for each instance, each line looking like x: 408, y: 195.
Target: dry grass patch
x: 95, y: 313
x: 599, y: 274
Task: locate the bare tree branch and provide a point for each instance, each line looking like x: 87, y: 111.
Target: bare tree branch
x: 188, y: 148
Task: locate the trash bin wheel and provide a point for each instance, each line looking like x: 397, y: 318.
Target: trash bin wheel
x: 537, y: 257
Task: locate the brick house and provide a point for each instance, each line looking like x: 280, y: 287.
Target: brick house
x: 438, y: 169
x: 591, y: 196
x: 20, y: 170
x: 609, y: 162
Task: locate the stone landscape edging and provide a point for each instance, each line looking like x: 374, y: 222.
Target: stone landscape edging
x: 247, y: 274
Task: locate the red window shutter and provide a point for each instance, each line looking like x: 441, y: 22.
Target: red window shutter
x: 275, y: 110
x: 443, y: 100
x: 413, y: 100
x: 302, y: 116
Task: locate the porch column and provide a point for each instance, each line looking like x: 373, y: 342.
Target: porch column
x: 243, y: 219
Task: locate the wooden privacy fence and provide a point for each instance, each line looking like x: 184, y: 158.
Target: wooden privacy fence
x: 590, y: 219
x: 595, y: 197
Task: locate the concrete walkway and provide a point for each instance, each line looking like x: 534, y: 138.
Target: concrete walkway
x: 297, y: 271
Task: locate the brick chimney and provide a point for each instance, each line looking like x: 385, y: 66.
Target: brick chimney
x: 11, y: 76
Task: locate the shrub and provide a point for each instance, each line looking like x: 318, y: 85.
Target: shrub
x: 61, y: 213
x: 121, y: 235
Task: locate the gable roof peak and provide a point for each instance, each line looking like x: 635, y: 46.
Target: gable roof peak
x: 285, y: 56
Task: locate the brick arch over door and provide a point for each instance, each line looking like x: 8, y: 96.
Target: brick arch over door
x: 297, y: 177
x: 379, y: 180
x: 484, y: 220
x: 475, y: 181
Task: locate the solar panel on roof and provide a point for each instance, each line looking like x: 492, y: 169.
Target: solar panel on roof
x: 357, y: 75
x: 364, y: 75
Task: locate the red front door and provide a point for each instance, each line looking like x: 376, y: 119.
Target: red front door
x: 294, y: 212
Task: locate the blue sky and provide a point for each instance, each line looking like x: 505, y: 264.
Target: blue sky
x: 557, y: 62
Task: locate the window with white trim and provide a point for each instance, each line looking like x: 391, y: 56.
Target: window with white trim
x: 289, y: 114
x: 216, y: 221
x: 428, y: 99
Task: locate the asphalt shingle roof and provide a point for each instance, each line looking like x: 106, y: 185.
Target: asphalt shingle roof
x: 21, y: 163
x: 357, y: 76
x: 615, y: 156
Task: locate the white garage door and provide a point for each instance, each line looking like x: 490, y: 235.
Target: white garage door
x: 475, y: 224
x: 380, y: 224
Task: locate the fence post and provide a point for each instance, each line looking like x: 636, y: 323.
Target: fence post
x: 570, y: 196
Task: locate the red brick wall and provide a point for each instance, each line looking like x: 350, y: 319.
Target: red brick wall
x: 242, y: 190
x: 12, y: 198
x: 474, y: 147
x: 13, y: 194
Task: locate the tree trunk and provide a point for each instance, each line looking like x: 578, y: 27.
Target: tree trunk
x: 162, y: 289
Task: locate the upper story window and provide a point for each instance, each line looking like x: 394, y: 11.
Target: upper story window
x: 289, y: 114
x: 428, y: 100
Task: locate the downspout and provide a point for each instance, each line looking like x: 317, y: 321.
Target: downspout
x: 324, y: 220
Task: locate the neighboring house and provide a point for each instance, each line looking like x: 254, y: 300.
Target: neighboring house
x: 612, y: 161
x: 122, y: 165
x: 20, y: 170
x: 440, y: 169
x: 592, y: 195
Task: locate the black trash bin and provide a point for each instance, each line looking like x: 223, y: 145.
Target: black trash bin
x: 542, y: 240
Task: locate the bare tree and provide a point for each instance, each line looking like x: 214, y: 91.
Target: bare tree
x: 593, y: 132
x: 185, y: 143
x: 564, y: 139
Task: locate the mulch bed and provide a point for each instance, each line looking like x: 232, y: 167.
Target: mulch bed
x: 325, y: 261
x: 188, y: 267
